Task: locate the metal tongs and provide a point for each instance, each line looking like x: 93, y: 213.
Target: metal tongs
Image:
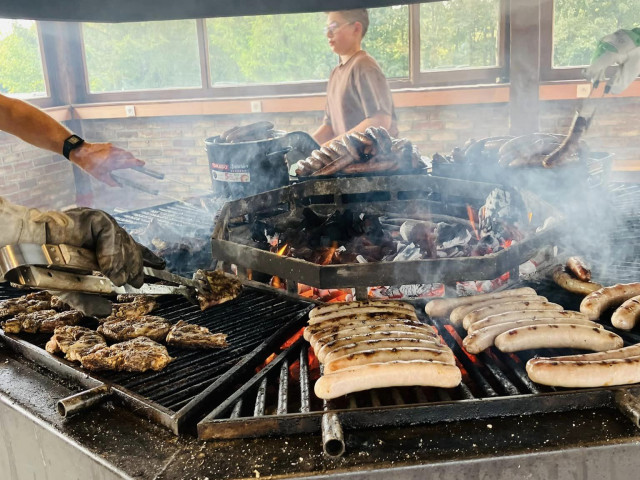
x: 69, y: 268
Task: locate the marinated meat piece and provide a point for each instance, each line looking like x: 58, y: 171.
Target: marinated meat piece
x: 186, y: 335
x: 58, y: 304
x: 135, y: 309
x: 137, y: 355
x: 12, y: 307
x: 74, y: 342
x: 120, y: 329
x: 42, y: 295
x: 133, y: 298
x: 221, y: 288
x: 43, y: 321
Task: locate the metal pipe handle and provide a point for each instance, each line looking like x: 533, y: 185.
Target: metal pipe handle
x: 83, y: 400
x: 332, y: 436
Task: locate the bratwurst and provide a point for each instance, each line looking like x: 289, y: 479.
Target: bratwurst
x: 596, y: 303
x: 442, y: 307
x: 557, y: 336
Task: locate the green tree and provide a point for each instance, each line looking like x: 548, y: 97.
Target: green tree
x: 20, y: 62
x: 579, y: 24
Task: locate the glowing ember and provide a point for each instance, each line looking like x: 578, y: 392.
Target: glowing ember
x: 472, y: 219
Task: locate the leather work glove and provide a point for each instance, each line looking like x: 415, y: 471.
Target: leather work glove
x: 621, y: 48
x: 120, y: 258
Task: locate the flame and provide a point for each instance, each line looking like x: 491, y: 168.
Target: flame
x: 326, y: 259
x: 472, y: 219
x: 275, y: 280
x: 281, y: 251
x: 530, y: 216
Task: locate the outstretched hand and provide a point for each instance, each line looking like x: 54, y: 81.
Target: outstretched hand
x: 100, y: 159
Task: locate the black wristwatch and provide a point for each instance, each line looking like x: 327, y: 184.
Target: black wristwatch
x: 70, y: 143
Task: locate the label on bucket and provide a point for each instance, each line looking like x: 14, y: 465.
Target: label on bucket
x: 237, y: 175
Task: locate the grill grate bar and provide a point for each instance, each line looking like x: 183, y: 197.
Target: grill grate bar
x: 521, y: 374
x: 283, y: 388
x: 305, y: 403
x: 237, y: 409
x: 258, y: 411
x: 505, y: 383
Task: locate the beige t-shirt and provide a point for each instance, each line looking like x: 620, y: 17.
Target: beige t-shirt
x: 357, y: 90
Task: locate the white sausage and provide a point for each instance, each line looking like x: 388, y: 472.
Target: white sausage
x: 395, y: 339
x: 360, y: 310
x: 457, y: 314
x: 484, y: 338
x: 338, y: 306
x: 509, y: 317
x: 574, y: 285
x: 558, y: 336
x: 627, y: 314
x: 326, y: 337
x: 573, y: 374
x: 594, y: 304
x: 383, y: 355
x: 441, y: 307
x: 618, y: 353
x: 377, y: 344
x: 504, y: 307
x: 391, y: 374
x: 334, y: 325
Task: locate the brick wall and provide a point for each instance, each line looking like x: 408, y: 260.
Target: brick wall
x: 175, y: 146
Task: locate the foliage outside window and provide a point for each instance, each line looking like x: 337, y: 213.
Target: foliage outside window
x: 459, y: 34
x: 21, y: 72
x: 292, y: 48
x: 579, y: 24
x: 142, y: 56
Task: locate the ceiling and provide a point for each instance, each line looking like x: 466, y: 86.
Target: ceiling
x: 145, y: 10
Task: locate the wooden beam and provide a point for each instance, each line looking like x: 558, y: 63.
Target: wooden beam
x: 524, y: 66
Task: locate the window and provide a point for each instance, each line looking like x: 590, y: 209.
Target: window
x: 21, y: 71
x: 142, y: 56
x: 387, y: 39
x: 459, y: 34
x: 579, y: 24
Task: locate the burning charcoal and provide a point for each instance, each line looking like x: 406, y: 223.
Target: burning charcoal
x: 408, y: 252
x: 452, y: 235
x: 502, y: 211
x: 260, y: 230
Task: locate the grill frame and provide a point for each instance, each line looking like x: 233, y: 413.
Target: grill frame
x: 406, y: 193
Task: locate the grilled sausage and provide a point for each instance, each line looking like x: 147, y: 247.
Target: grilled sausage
x: 334, y: 326
x: 441, y: 307
x: 314, y: 162
x: 383, y: 355
x: 333, y: 307
x: 394, y: 338
x: 587, y: 374
x: 509, y: 317
x: 383, y: 330
x: 594, y: 304
x: 353, y: 145
x: 618, y: 353
x: 457, y: 314
x: 335, y: 166
x: 376, y: 344
x: 390, y: 374
x: 570, y: 144
x: 627, y: 314
x: 359, y: 310
x: 578, y: 269
x: 574, y: 285
x: 329, y: 152
x: 339, y: 148
x: 370, y: 327
x: 372, y: 166
x: 484, y: 338
x: 495, y: 309
x: 558, y: 336
x: 322, y: 157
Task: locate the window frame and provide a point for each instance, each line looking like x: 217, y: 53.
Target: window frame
x: 68, y: 48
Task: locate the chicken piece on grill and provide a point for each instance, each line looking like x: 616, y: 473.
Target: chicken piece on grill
x: 186, y: 335
x: 58, y: 304
x: 14, y: 306
x: 43, y: 321
x: 132, y: 298
x: 137, y: 355
x: 138, y: 308
x: 219, y: 286
x: 42, y: 295
x: 120, y: 329
x: 74, y: 342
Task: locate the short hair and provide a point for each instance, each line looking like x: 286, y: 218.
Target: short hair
x: 358, y: 15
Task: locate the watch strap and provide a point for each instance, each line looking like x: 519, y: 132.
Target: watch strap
x: 70, y: 143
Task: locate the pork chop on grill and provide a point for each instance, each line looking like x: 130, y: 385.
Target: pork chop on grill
x: 137, y: 355
x: 142, y: 306
x: 186, y: 335
x: 120, y: 329
x: 219, y: 286
x: 43, y: 321
x: 74, y: 342
x: 14, y: 306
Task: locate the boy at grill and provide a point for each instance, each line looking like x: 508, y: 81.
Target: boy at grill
x: 358, y: 95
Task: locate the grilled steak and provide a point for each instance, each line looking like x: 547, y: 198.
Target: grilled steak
x: 135, y: 309
x: 14, y: 306
x: 220, y: 288
x: 43, y: 321
x: 186, y: 335
x: 132, y: 298
x: 137, y: 355
x: 120, y: 329
x: 58, y: 304
x: 74, y: 342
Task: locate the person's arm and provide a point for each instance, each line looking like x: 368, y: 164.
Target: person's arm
x: 39, y: 129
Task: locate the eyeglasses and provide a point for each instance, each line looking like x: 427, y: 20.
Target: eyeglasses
x: 333, y: 27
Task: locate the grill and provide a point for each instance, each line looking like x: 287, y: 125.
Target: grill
x: 173, y: 397
x: 494, y: 384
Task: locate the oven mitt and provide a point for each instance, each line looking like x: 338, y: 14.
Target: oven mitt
x: 120, y: 258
